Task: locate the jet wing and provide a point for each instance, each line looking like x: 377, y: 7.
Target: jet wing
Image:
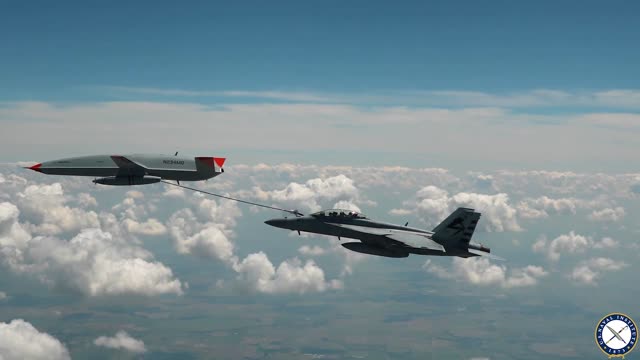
x: 128, y: 167
x: 416, y: 240
x: 409, y: 238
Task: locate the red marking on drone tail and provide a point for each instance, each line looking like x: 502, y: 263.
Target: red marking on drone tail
x: 212, y: 161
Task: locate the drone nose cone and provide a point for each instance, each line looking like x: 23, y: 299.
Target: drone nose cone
x: 36, y: 167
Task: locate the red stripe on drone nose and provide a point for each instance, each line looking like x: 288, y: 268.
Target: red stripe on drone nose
x: 36, y: 167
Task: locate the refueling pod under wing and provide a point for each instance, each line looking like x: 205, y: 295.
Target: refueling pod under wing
x: 127, y: 180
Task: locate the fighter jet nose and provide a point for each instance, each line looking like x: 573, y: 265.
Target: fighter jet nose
x: 280, y: 223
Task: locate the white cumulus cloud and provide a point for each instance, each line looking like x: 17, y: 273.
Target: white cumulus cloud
x: 309, y: 195
x: 258, y: 273
x: 312, y: 250
x: 14, y: 239
x: 570, y: 243
x: 121, y: 341
x: 209, y: 239
x: 590, y: 271
x: 150, y: 227
x: 434, y: 204
x: 533, y: 208
x: 566, y: 243
x: 94, y: 262
x: 20, y: 340
x: 45, y: 207
x: 207, y: 233
x: 606, y: 243
x: 608, y: 214
x: 86, y: 200
x: 481, y: 272
x: 346, y: 205
x: 174, y: 192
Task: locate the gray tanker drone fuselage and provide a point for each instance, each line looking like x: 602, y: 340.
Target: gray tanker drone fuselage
x: 135, y: 169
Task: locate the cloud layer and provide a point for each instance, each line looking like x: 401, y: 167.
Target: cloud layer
x: 67, y: 238
x: 359, y: 129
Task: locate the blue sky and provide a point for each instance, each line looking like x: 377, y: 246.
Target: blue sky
x: 54, y: 51
x: 416, y: 84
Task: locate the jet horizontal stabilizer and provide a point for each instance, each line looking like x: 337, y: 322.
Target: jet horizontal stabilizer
x: 485, y: 254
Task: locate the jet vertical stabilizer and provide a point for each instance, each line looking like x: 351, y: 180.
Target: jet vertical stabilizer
x: 211, y: 165
x: 456, y: 230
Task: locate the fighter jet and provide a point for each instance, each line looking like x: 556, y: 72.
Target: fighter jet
x: 451, y: 238
x: 137, y: 169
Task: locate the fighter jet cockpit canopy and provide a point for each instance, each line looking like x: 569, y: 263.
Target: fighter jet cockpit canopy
x: 339, y: 213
